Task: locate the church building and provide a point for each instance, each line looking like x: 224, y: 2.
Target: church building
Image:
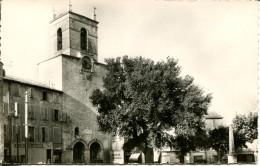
x: 51, y: 120
x: 61, y: 119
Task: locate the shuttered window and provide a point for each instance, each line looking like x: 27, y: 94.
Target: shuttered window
x: 31, y: 135
x: 36, y: 134
x: 5, y: 108
x: 44, y: 113
x: 56, y: 135
x: 15, y: 90
x: 31, y: 112
x: 56, y: 115
x: 55, y: 97
x: 44, y: 134
x: 64, y: 117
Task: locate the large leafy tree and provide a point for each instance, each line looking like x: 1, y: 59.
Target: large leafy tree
x: 247, y: 126
x: 142, y: 101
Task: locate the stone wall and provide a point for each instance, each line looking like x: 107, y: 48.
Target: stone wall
x: 1, y: 115
x: 77, y: 88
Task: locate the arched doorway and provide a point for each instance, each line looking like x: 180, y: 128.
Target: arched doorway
x: 78, y: 152
x: 95, y: 153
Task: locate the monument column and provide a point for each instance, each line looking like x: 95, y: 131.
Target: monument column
x: 117, y: 153
x: 232, y: 157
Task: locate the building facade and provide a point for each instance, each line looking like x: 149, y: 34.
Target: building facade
x: 62, y: 125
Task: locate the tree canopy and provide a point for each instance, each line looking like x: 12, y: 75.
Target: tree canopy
x: 247, y: 125
x: 143, y: 101
x: 188, y: 143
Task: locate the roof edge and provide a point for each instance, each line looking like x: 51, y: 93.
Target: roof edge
x: 36, y: 84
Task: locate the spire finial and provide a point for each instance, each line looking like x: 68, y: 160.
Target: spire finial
x: 94, y: 13
x: 54, y: 14
x: 70, y: 6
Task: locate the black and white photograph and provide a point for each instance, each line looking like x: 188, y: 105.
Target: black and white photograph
x: 129, y: 82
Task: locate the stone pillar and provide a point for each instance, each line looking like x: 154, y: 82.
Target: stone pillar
x: 1, y: 115
x: 232, y: 157
x: 87, y: 155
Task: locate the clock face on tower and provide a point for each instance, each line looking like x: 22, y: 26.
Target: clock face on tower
x: 86, y: 63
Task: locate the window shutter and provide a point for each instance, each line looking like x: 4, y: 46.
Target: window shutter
x: 11, y: 106
x: 40, y: 134
x: 46, y: 113
x: 46, y: 134
x: 5, y: 132
x: 50, y: 134
x: 31, y: 93
x: 5, y: 108
x: 34, y: 132
x: 56, y: 135
x: 29, y: 111
x: 19, y: 90
x: 18, y: 108
x: 36, y: 135
x: 64, y: 117
x: 33, y: 112
x: 60, y: 115
x: 36, y: 112
x: 42, y: 112
x: 53, y: 115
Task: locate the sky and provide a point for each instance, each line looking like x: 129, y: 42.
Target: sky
x: 216, y: 42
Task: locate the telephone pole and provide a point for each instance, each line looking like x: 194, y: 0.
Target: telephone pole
x: 17, y: 137
x: 26, y: 126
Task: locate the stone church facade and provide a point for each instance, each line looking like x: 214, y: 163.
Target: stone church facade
x: 62, y: 125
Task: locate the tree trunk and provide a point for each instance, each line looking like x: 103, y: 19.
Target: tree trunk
x: 206, y: 157
x: 182, y: 158
x: 219, y: 157
x: 148, y: 154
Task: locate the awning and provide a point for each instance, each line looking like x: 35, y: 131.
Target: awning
x: 134, y: 157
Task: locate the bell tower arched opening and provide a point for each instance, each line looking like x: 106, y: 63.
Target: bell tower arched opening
x: 59, y: 39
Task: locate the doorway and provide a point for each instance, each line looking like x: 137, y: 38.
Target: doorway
x: 95, y: 153
x: 48, y: 156
x: 78, y: 152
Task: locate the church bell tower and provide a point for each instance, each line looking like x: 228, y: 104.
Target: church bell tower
x: 74, y: 35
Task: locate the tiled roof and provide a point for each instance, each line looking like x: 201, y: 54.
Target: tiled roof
x: 213, y: 116
x: 30, y: 82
